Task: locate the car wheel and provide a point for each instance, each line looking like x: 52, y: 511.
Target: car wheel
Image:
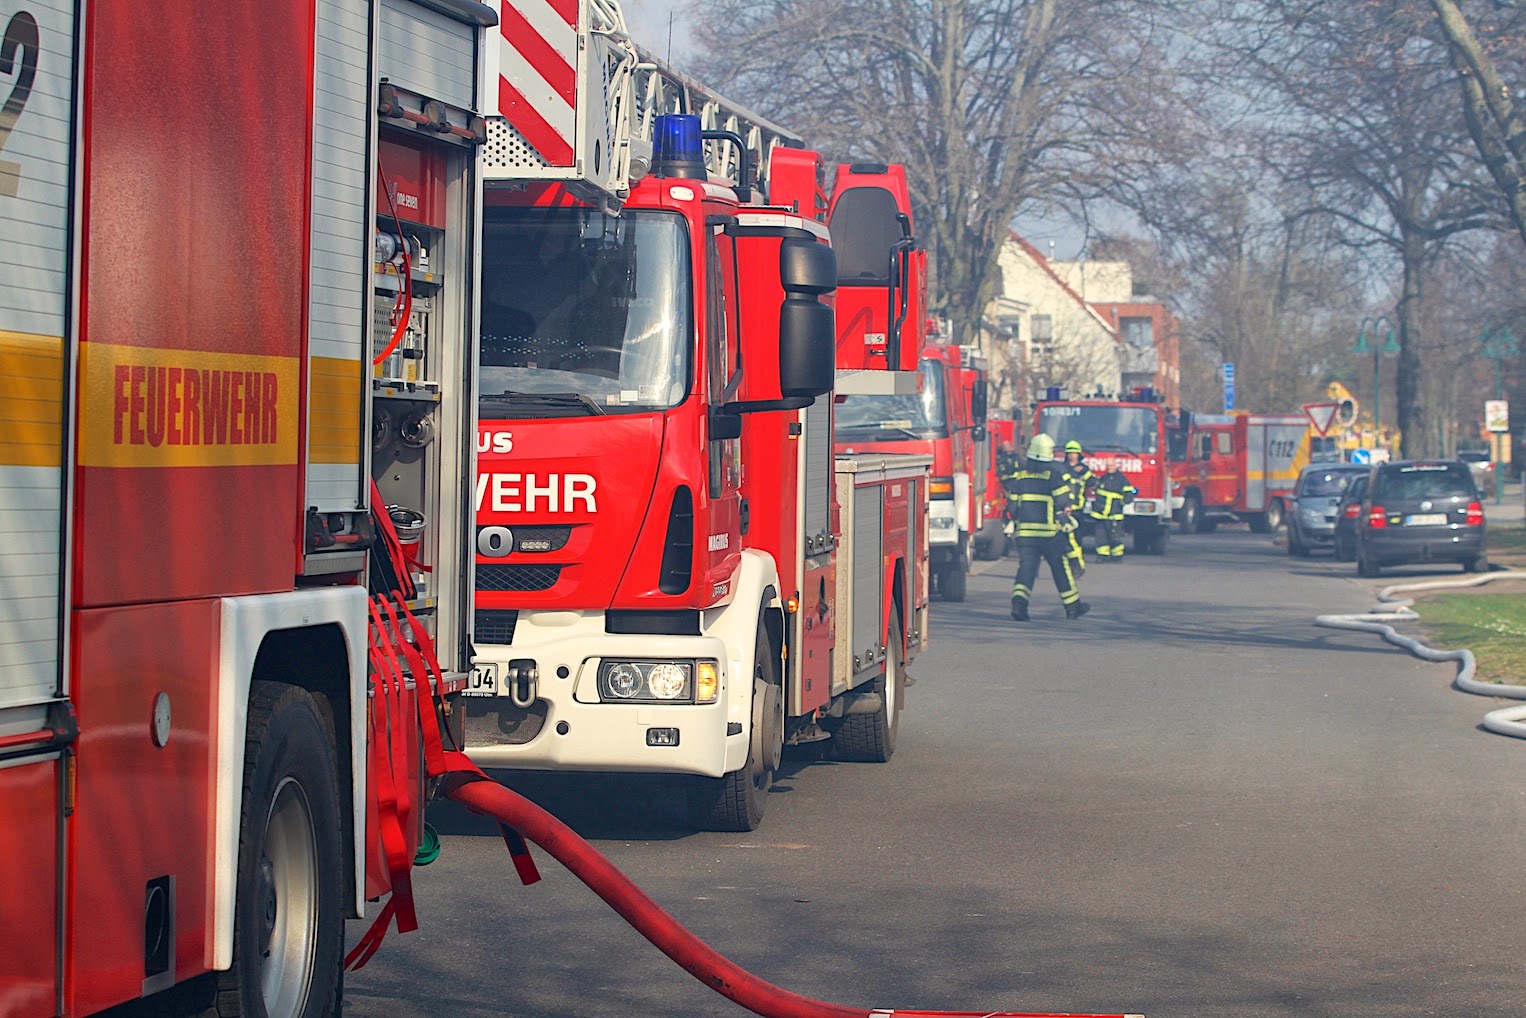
x: 1365, y: 566
x: 1476, y: 565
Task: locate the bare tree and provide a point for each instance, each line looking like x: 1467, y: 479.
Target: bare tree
x: 1495, y: 122
x: 1356, y: 101
x: 992, y: 105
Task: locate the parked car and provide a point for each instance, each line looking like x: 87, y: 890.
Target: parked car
x: 1482, y: 468
x: 1346, y: 511
x: 1421, y: 511
x: 1316, y: 497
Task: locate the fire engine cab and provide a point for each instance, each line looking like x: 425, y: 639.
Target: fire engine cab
x: 1130, y: 435
x: 674, y: 573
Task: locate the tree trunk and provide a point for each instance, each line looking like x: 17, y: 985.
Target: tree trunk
x: 1409, y: 413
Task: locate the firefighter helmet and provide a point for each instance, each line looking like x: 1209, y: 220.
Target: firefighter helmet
x: 1073, y: 446
x: 1041, y: 448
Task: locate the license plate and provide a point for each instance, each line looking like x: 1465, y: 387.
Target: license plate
x: 1426, y: 520
x: 483, y: 681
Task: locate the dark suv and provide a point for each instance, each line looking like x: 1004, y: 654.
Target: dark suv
x: 1421, y: 511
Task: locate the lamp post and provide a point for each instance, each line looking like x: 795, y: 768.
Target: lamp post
x: 1497, y: 345
x: 1390, y: 345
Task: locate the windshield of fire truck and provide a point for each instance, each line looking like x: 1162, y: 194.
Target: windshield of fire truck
x: 1102, y: 428
x: 583, y: 312
x: 917, y: 415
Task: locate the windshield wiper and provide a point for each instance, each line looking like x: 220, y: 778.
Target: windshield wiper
x: 508, y: 400
x: 892, y: 428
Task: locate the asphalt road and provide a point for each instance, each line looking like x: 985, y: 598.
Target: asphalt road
x: 1189, y: 803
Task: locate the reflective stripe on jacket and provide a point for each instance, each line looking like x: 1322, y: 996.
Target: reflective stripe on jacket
x: 1037, y: 493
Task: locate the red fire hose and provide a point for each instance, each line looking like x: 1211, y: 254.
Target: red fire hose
x: 701, y: 961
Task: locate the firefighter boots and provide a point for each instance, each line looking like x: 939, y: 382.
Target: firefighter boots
x: 1020, y: 609
x: 1075, y: 611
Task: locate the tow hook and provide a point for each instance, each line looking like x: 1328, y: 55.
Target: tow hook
x: 522, y: 677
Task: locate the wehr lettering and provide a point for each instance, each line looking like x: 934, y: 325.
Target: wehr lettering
x: 542, y: 493
x: 175, y: 405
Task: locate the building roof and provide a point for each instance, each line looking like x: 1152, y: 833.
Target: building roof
x: 1043, y: 263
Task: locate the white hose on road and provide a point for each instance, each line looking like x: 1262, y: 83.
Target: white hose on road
x: 1392, y: 608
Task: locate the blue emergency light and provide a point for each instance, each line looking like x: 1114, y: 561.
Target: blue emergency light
x: 678, y: 147
x: 1052, y: 393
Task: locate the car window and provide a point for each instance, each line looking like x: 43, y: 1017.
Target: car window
x: 1325, y: 482
x: 1357, y: 488
x: 1425, y: 480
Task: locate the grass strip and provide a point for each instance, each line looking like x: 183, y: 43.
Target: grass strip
x: 1492, y: 626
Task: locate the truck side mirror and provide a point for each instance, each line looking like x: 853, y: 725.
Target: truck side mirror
x: 978, y: 396
x: 807, y: 327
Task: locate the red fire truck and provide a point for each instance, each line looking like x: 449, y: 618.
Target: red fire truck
x: 236, y: 244
x: 992, y: 541
x: 1238, y: 466
x: 945, y: 419
x: 1129, y: 435
x: 674, y: 573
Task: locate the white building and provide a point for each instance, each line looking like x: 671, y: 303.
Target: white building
x: 1044, y: 333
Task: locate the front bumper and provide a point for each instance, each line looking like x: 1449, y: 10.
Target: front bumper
x: 942, y: 523
x: 567, y: 728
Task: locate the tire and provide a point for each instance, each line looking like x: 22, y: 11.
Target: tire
x: 1477, y: 565
x: 290, y: 864
x: 1296, y: 547
x: 988, y: 549
x: 1341, y: 551
x: 1207, y: 525
x: 1260, y: 523
x: 1190, y: 516
x: 735, y: 801
x: 1366, y: 566
x: 951, y: 580
x: 870, y: 738
x: 1150, y: 536
x: 1276, y: 516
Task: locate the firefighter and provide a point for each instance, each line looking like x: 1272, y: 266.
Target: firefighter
x: 1113, y: 493
x: 1038, y: 499
x: 1081, y: 480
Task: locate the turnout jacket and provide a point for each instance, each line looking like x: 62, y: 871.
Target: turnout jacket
x: 1079, y: 479
x: 1113, y: 492
x: 1038, y: 495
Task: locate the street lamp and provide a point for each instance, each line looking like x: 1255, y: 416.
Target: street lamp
x: 1390, y: 345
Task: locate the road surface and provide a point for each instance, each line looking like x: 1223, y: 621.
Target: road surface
x: 1189, y: 803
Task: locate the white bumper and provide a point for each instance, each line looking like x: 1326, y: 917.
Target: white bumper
x: 579, y: 733
x: 942, y: 522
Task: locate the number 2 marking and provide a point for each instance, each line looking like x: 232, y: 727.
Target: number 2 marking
x: 20, y: 34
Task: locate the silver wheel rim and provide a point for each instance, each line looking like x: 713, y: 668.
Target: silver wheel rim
x: 287, y: 903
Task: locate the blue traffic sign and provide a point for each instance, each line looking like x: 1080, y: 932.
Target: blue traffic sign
x: 1229, y: 372
x: 1361, y: 456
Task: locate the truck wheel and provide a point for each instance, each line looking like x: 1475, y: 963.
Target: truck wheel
x: 734, y: 801
x: 951, y: 580
x: 1190, y: 514
x: 870, y: 738
x: 288, y: 926
x: 1207, y: 525
x: 1260, y: 523
x: 1275, y: 516
x: 988, y: 549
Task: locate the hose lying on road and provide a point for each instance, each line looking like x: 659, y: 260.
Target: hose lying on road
x: 696, y: 957
x: 1392, y: 608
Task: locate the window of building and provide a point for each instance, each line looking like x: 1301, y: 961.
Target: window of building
x: 1138, y: 332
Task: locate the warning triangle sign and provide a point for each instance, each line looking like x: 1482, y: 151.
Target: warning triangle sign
x: 1321, y: 415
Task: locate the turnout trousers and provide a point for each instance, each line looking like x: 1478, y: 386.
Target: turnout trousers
x: 1109, y: 537
x: 1033, y: 550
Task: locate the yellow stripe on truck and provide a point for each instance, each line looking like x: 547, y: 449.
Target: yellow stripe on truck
x: 32, y: 414
x: 333, y: 425
x: 144, y: 407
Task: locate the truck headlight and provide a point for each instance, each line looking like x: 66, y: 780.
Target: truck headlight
x: 658, y: 681
x: 1144, y: 506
